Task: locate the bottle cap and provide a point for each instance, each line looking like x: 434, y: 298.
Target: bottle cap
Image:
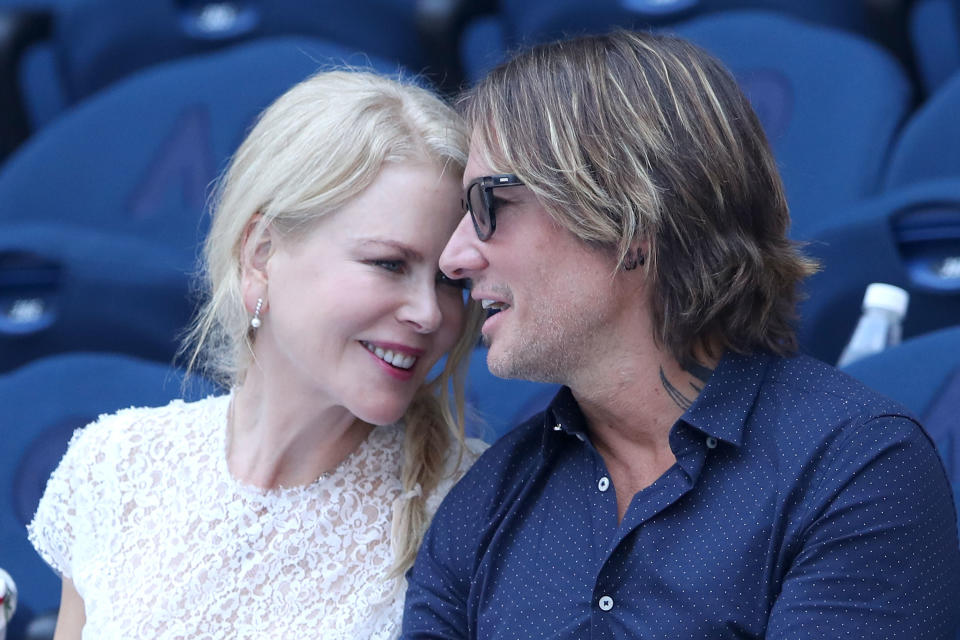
x: 886, y: 296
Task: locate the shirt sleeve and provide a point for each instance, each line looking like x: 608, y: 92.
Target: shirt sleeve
x: 879, y: 556
x: 67, y: 512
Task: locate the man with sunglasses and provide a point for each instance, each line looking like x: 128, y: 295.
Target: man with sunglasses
x: 694, y: 478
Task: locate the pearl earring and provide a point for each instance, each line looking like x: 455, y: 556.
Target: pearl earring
x: 255, y: 321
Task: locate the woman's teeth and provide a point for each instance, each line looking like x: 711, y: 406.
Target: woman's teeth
x: 394, y: 358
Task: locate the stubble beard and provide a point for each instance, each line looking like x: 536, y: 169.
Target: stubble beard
x: 545, y: 350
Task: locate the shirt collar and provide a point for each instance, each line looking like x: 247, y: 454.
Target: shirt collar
x: 721, y: 410
x: 563, y: 414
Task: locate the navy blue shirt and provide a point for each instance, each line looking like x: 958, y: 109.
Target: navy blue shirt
x: 801, y: 505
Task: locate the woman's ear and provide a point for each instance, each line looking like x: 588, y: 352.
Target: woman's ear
x: 256, y: 247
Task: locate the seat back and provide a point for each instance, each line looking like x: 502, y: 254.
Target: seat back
x: 100, y: 41
x: 103, y: 211
x: 44, y: 402
x: 540, y: 21
x: 94, y: 43
x: 934, y: 31
x: 524, y: 22
x: 929, y: 145
x: 830, y: 102
x: 923, y: 373
x: 909, y: 238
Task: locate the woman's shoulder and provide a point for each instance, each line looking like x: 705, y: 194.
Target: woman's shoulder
x: 115, y: 435
x: 461, y: 458
x: 458, y: 460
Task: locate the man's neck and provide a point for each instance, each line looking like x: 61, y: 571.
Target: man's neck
x: 642, y: 394
x: 630, y: 411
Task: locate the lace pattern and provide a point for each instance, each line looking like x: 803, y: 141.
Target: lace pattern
x: 162, y: 542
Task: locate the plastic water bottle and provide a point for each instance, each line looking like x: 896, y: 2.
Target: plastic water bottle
x: 880, y: 326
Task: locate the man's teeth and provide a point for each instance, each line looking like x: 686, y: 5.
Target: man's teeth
x: 493, y: 304
x: 394, y: 358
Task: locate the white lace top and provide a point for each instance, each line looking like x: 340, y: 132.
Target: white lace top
x: 162, y: 542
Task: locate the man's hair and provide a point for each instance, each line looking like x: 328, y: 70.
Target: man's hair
x: 629, y: 137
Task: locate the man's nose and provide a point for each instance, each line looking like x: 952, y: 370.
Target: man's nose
x: 463, y: 256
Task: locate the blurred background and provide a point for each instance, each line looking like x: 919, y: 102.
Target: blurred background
x: 117, y: 116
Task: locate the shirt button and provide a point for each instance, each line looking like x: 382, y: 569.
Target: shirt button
x: 711, y: 442
x: 606, y: 603
x: 557, y: 427
x: 604, y: 483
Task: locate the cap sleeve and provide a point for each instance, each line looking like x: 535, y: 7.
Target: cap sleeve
x: 74, y: 503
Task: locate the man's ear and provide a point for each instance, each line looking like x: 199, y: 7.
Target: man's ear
x: 256, y: 247
x: 636, y: 255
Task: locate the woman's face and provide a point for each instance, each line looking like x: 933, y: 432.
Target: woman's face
x: 357, y: 311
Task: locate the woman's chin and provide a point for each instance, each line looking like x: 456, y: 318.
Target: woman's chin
x: 382, y: 413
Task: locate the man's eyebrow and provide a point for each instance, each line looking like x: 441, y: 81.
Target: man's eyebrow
x: 406, y: 251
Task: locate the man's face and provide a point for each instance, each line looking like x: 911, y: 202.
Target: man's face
x: 555, y: 294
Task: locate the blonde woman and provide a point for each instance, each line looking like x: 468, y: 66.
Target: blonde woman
x: 291, y: 506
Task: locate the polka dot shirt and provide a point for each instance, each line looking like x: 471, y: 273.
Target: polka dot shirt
x: 801, y: 505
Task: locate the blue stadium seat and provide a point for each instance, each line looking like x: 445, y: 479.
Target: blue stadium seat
x: 934, y: 27
x: 43, y: 403
x: 830, y: 102
x: 923, y: 373
x: 93, y: 43
x: 64, y: 287
x: 525, y: 22
x: 102, y: 212
x: 496, y: 405
x: 929, y: 145
x: 909, y: 238
x: 914, y: 372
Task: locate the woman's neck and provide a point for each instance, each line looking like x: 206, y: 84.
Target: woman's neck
x: 278, y: 437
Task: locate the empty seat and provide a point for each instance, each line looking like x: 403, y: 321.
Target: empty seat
x: 924, y: 374
x: 102, y: 213
x: 43, y: 403
x: 934, y: 27
x: 93, y: 43
x: 830, y: 102
x: 909, y: 238
x: 522, y: 22
x: 929, y: 145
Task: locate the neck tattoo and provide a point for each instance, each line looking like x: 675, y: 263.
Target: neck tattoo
x: 695, y: 369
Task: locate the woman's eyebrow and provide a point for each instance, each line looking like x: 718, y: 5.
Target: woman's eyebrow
x: 405, y: 250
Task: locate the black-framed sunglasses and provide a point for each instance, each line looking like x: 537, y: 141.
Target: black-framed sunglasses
x: 478, y: 201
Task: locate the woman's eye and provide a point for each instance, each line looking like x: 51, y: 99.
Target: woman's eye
x: 461, y: 283
x: 393, y: 266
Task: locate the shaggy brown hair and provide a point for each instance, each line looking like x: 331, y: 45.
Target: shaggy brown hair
x: 632, y: 136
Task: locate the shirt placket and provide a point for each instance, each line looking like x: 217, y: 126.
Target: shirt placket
x: 611, y: 603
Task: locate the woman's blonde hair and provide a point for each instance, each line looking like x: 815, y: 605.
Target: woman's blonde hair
x: 315, y: 148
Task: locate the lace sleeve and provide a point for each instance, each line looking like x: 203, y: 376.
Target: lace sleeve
x: 73, y: 501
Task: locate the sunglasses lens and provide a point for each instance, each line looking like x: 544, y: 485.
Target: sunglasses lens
x: 480, y: 211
